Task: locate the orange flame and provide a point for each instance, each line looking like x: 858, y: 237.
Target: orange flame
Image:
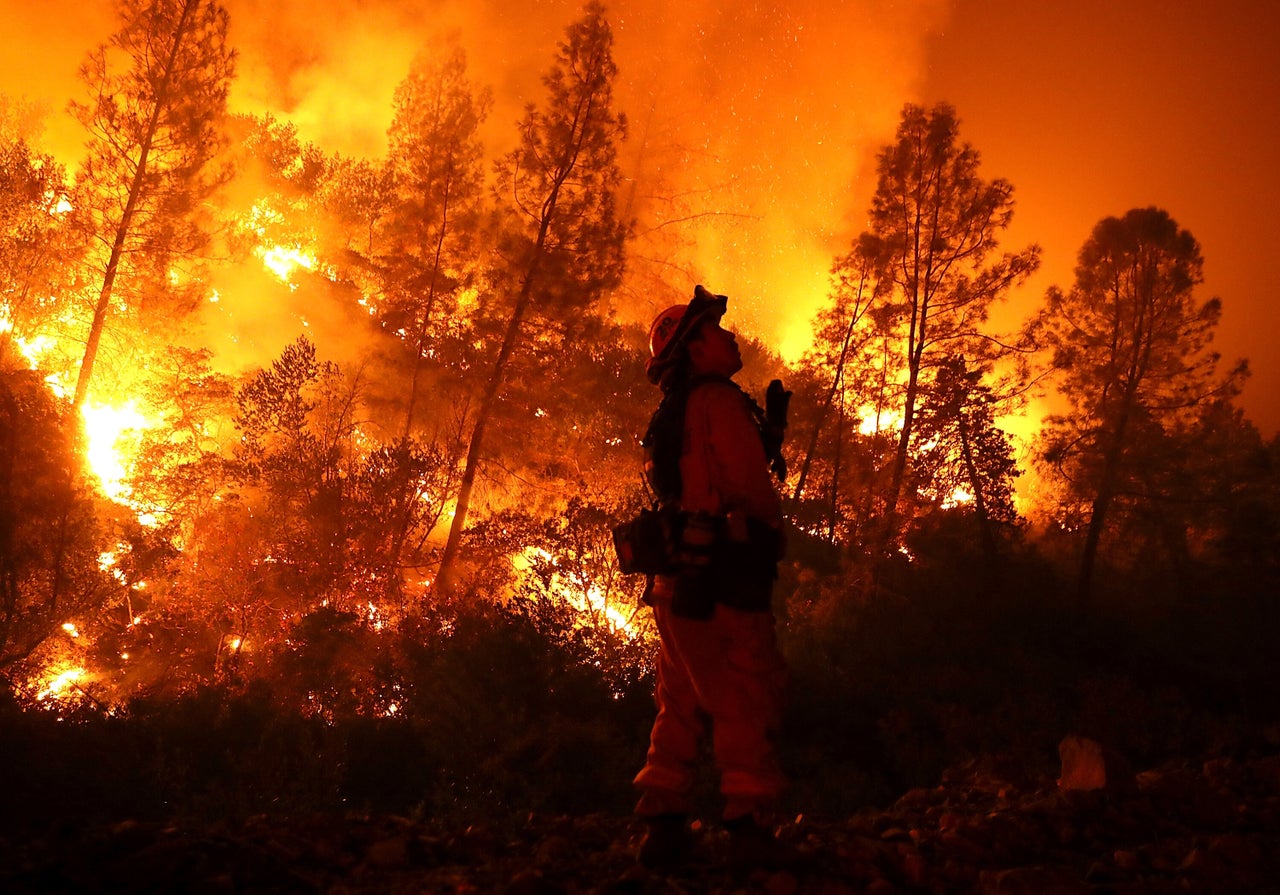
x: 112, y: 432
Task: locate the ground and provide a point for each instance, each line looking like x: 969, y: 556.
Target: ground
x: 1210, y: 826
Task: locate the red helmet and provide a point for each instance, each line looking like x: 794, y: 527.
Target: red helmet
x: 664, y: 327
x: 675, y: 325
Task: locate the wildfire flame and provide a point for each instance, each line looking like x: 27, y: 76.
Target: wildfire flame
x: 873, y: 422
x: 107, y: 428
x: 56, y: 687
x: 284, y: 260
x: 589, y: 600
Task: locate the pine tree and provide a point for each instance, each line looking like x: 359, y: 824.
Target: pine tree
x: 38, y: 251
x: 939, y: 223
x: 1130, y: 345
x: 566, y: 247
x: 435, y: 156
x: 158, y: 96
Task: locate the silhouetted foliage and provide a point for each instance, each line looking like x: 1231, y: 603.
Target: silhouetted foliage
x: 1129, y: 342
x: 49, y: 542
x: 938, y: 224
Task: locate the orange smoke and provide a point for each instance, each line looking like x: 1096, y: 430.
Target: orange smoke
x: 753, y: 131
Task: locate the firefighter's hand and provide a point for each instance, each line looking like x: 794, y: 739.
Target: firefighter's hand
x: 776, y: 402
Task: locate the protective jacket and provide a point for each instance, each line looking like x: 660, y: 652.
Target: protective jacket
x: 708, y: 455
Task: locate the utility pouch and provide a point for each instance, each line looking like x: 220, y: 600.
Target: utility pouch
x: 647, y: 544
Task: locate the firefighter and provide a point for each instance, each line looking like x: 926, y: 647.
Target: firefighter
x: 709, y: 450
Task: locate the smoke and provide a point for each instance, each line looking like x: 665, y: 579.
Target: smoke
x: 763, y: 118
x: 758, y: 122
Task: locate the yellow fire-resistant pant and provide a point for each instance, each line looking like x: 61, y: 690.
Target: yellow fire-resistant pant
x: 729, y: 668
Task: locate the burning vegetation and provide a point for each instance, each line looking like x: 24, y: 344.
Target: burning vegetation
x: 275, y: 417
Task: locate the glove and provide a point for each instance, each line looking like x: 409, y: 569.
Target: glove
x: 776, y: 402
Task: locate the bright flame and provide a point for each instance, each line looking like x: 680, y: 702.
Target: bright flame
x: 591, y: 601
x: 284, y: 260
x: 958, y: 497
x: 71, y: 629
x: 59, y: 683
x: 105, y: 426
x: 872, y: 422
x: 107, y: 563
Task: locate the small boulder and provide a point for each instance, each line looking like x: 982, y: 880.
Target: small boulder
x: 1088, y: 766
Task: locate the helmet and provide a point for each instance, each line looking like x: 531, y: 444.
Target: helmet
x: 664, y: 327
x: 675, y: 325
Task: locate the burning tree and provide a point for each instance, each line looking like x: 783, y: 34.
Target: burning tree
x: 38, y: 251
x: 958, y: 420
x: 432, y: 256
x: 938, y: 224
x: 158, y: 95
x: 564, y: 245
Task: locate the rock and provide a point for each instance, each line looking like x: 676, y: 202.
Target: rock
x: 1127, y: 860
x: 1088, y: 766
x: 912, y: 865
x: 553, y: 850
x: 781, y: 883
x: 1184, y: 794
x: 1266, y: 772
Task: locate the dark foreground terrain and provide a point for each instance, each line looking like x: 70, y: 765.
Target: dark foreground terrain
x: 1188, y: 827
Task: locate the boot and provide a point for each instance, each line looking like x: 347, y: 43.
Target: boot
x: 666, y: 841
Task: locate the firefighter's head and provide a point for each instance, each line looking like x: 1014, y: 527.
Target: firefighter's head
x: 689, y: 336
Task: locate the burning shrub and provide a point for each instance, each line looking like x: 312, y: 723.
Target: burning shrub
x: 49, y: 538
x: 564, y: 569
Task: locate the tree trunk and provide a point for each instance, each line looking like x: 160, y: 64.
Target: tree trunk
x: 900, y: 455
x: 445, y: 577
x: 988, y: 537
x: 1098, y: 514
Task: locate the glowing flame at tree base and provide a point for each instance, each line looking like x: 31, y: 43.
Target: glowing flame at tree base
x: 106, y: 427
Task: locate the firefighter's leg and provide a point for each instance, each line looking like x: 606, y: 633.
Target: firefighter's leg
x: 745, y: 704
x: 667, y: 776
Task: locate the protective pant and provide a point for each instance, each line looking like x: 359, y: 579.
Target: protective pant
x: 728, y: 667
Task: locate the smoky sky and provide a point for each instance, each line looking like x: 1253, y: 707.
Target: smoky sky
x: 764, y: 120
x: 766, y: 115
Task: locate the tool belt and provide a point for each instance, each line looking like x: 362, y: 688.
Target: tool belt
x: 649, y: 543
x: 731, y: 560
